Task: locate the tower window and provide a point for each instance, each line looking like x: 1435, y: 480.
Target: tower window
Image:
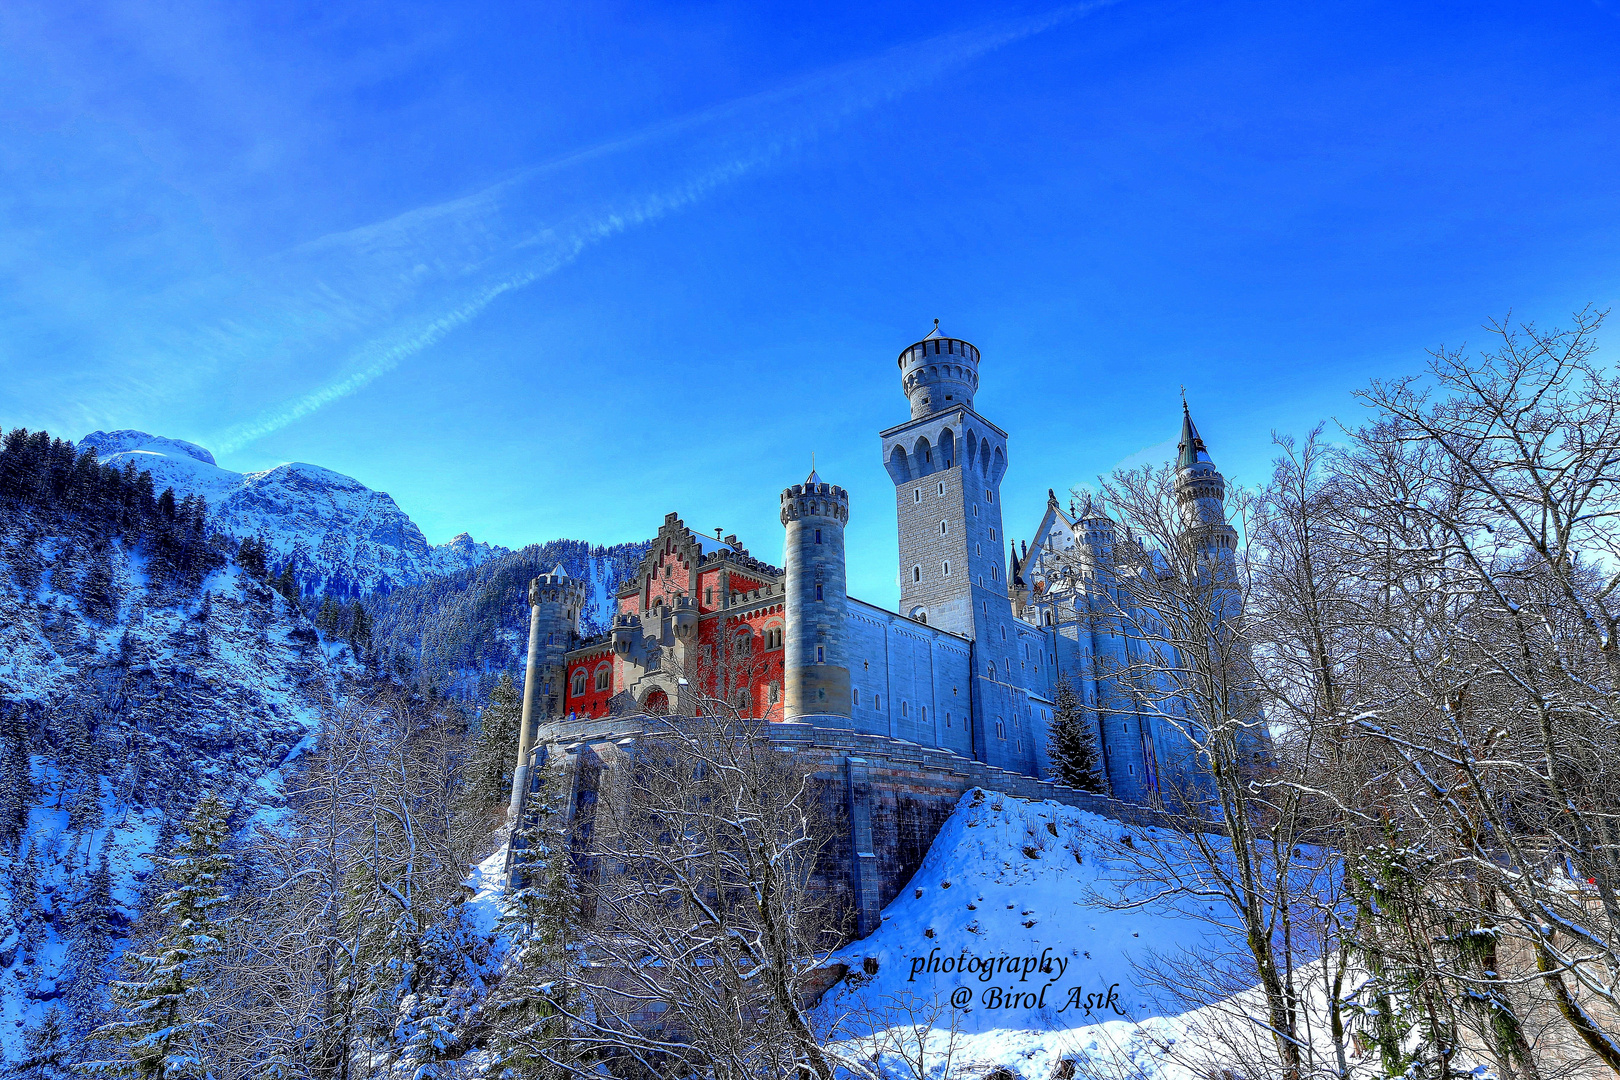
x: 947, y: 719
x: 818, y: 595
x: 947, y: 568
x: 905, y: 708
x: 992, y: 533
x: 995, y: 573
x: 855, y: 697
x: 975, y: 509
x: 708, y: 595
x: 1001, y: 729
x: 917, y: 495
x: 989, y: 496
x: 818, y: 536
x: 916, y: 573
x: 942, y: 529
x: 925, y: 714
x: 877, y: 702
x: 942, y: 487
x: 603, y: 675
x: 1003, y: 631
x: 821, y: 654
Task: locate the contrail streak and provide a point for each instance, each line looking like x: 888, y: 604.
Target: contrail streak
x: 837, y: 93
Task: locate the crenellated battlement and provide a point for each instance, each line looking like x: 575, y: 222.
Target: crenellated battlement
x: 938, y: 374
x: 815, y: 500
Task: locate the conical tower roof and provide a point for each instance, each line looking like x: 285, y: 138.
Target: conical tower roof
x: 1192, y: 451
x: 558, y: 571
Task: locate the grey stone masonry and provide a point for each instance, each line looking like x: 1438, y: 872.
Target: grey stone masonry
x: 815, y: 668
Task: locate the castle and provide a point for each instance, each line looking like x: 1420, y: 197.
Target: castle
x: 967, y: 667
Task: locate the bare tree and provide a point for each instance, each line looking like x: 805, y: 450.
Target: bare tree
x: 1486, y: 498
x: 705, y: 915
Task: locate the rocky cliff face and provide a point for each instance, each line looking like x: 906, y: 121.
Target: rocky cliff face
x: 341, y: 536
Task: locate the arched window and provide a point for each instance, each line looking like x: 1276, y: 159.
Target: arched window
x: 1001, y: 729
x: 656, y: 703
x: 743, y: 643
x: 947, y: 568
x: 579, y: 682
x: 604, y: 676
x: 775, y: 693
x: 942, y: 487
x: 990, y: 670
x: 916, y: 573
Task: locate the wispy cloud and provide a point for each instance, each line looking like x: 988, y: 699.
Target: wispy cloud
x: 455, y: 258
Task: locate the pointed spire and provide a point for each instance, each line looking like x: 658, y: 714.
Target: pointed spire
x: 934, y: 333
x: 558, y: 571
x: 1191, y: 447
x: 812, y: 478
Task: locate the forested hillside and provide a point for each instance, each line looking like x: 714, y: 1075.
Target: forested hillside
x: 461, y: 632
x: 140, y: 666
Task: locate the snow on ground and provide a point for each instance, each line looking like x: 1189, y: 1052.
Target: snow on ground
x: 998, y: 921
x: 488, y: 884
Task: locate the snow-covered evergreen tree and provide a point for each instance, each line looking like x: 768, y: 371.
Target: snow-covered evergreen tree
x: 45, y: 1049
x: 1072, y: 746
x: 542, y: 921
x: 494, y: 755
x: 161, y: 998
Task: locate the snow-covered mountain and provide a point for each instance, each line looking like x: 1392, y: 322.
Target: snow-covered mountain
x: 112, y: 726
x: 341, y: 536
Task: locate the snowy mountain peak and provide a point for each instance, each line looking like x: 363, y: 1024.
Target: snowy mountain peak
x: 108, y: 443
x: 340, y: 535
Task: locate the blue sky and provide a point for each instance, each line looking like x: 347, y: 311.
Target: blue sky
x: 551, y: 270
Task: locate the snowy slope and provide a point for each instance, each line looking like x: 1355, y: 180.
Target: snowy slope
x: 128, y: 720
x: 341, y: 535
x: 1006, y: 890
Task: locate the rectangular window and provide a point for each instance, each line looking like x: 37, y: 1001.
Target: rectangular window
x: 818, y: 590
x: 989, y: 496
x: 947, y: 719
x: 854, y: 697
x: 818, y: 536
x: 992, y: 534
x: 917, y: 495
x: 821, y: 653
x: 947, y: 568
x: 708, y: 595
x: 925, y: 714
x: 942, y: 529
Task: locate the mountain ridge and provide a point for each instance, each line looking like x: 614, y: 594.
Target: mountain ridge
x: 340, y: 536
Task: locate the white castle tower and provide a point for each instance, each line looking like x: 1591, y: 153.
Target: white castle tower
x: 815, y: 665
x: 947, y: 462
x: 555, y: 603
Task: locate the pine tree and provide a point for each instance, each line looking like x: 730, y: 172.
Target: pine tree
x: 359, y: 627
x: 162, y: 997
x: 287, y: 583
x: 494, y: 755
x: 1071, y: 745
x: 542, y: 920
x: 16, y: 784
x: 98, y: 591
x: 45, y: 1049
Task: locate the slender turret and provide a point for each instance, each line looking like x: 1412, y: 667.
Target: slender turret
x: 555, y: 602
x: 816, y: 667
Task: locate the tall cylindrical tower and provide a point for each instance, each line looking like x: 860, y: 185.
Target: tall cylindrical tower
x: 555, y: 603
x: 816, y: 665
